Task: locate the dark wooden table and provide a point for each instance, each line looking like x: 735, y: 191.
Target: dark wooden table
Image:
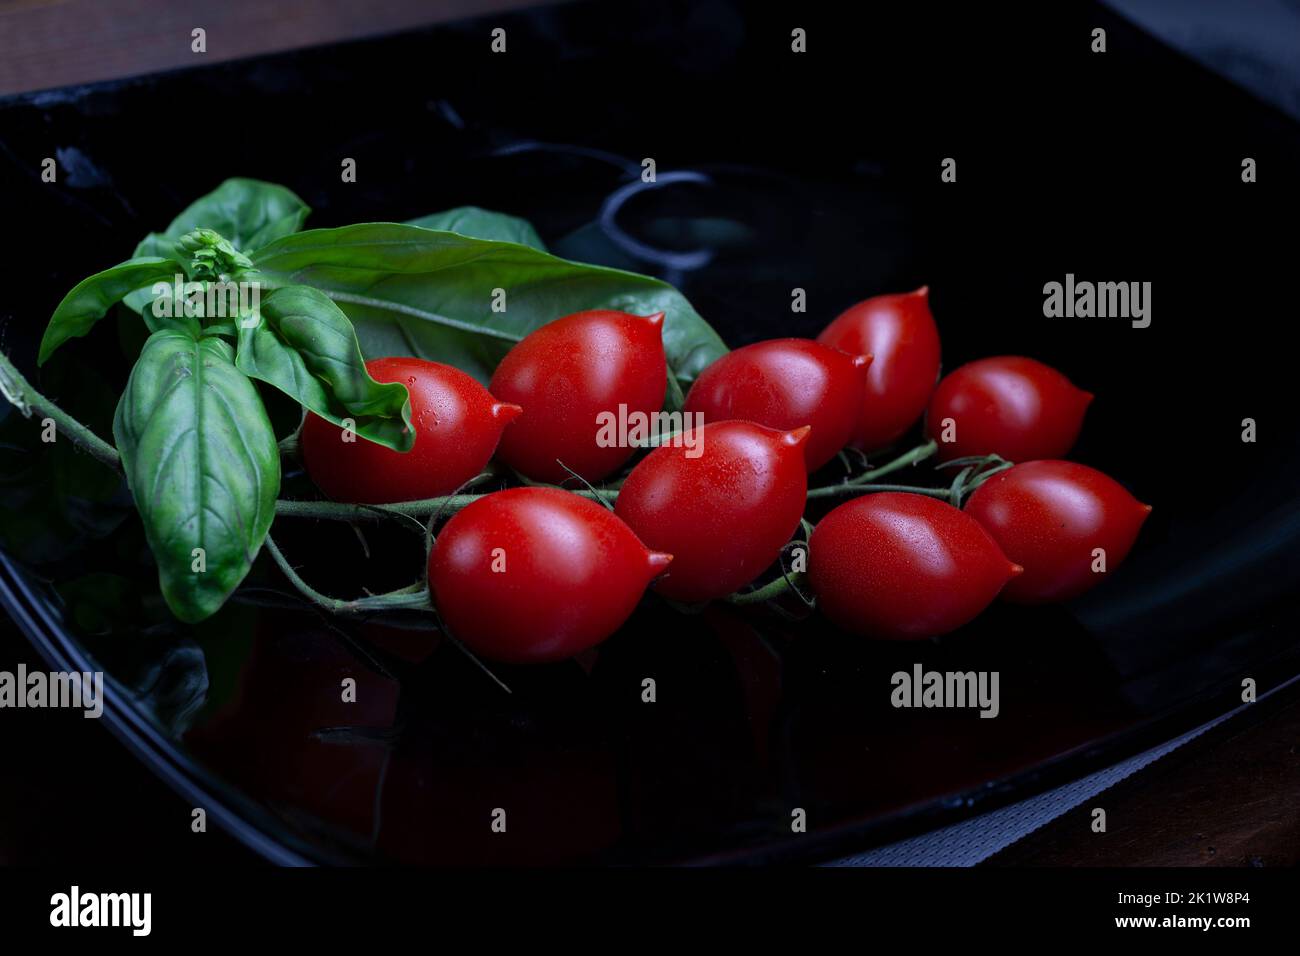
x: 1228, y: 798
x: 53, y: 43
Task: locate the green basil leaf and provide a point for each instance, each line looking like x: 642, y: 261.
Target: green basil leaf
x: 415, y: 291
x: 92, y: 297
x: 306, y: 347
x: 156, y: 244
x: 154, y: 308
x: 248, y: 212
x: 482, y: 224
x: 202, y: 464
x: 139, y: 300
x: 221, y: 326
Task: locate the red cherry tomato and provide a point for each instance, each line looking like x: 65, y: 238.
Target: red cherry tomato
x: 567, y: 373
x: 903, y: 566
x: 899, y: 331
x: 727, y: 512
x: 457, y: 426
x: 1010, y: 406
x: 537, y: 574
x: 783, y: 384
x: 1049, y: 516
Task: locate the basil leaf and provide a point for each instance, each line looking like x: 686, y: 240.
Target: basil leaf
x: 416, y: 291
x: 140, y: 300
x: 248, y: 212
x: 202, y: 464
x: 92, y: 297
x: 178, y: 320
x: 306, y: 347
x: 482, y: 224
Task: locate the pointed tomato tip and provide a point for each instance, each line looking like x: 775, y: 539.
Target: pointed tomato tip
x: 1087, y: 397
x: 863, y: 361
x: 656, y: 320
x: 506, y: 411
x: 658, y: 562
x: 1146, y: 509
x: 1016, y: 570
x: 923, y: 291
x: 796, y: 437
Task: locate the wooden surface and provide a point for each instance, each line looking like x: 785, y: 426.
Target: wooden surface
x: 1228, y: 798
x: 52, y: 43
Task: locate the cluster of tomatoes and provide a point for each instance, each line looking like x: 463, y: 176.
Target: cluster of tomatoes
x: 537, y: 573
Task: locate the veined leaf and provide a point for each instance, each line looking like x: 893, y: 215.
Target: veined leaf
x: 202, y: 464
x: 480, y: 223
x: 92, y: 297
x: 305, y: 346
x: 416, y: 291
x: 248, y: 212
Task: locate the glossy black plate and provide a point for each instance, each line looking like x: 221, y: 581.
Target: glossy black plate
x: 776, y: 171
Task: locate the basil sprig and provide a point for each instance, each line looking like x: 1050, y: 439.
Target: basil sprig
x: 232, y: 292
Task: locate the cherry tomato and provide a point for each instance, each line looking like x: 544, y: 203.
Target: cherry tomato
x: 566, y: 374
x: 1049, y: 516
x: 903, y: 566
x: 1010, y: 406
x: 783, y: 384
x: 727, y: 511
x: 899, y: 331
x: 457, y: 426
x: 537, y: 574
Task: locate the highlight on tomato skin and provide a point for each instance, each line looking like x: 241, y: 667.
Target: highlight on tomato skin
x: 1069, y: 526
x: 783, y: 384
x: 457, y: 423
x: 1006, y: 405
x: 530, y: 575
x: 568, y: 373
x: 899, y: 331
x: 725, y: 515
x: 902, y: 566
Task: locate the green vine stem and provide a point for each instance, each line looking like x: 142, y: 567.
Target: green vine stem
x: 342, y: 511
x: 27, y: 400
x: 857, y: 488
x: 918, y: 454
x: 423, y: 508
x: 415, y: 596
x: 866, y: 481
x: 773, y: 589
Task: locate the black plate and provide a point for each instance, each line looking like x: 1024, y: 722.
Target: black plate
x: 776, y: 170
